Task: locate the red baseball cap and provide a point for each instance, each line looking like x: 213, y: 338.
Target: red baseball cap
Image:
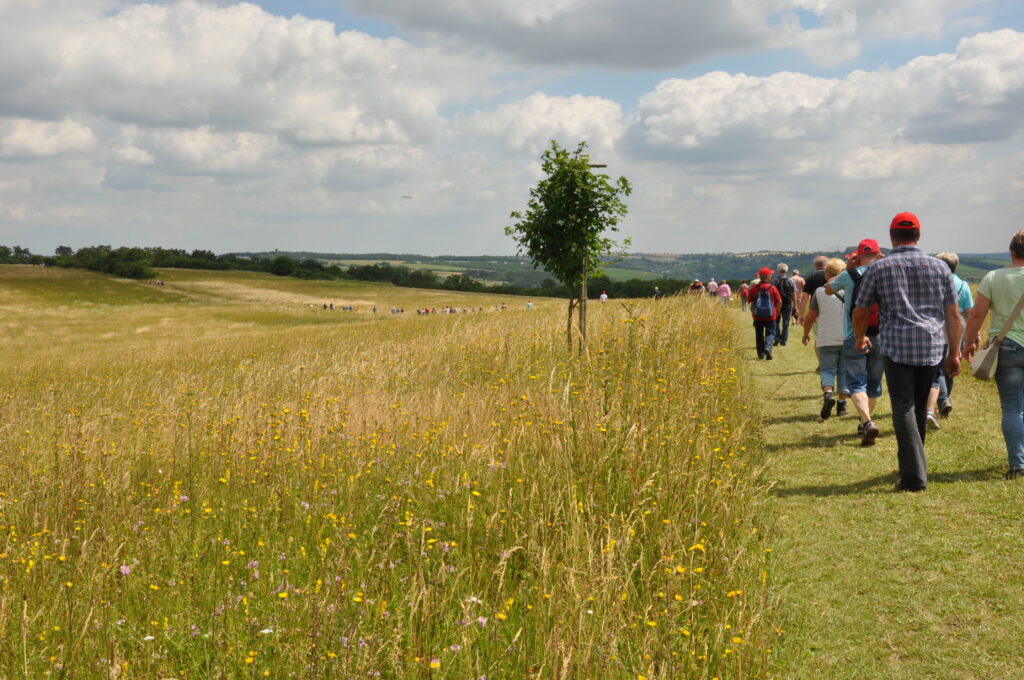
x: 851, y: 255
x: 868, y: 245
x: 764, y: 272
x: 905, y: 220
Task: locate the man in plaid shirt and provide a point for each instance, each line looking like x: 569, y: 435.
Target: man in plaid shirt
x: 918, y: 315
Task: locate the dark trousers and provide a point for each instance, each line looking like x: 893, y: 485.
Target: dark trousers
x: 764, y: 336
x: 782, y: 323
x: 908, y: 394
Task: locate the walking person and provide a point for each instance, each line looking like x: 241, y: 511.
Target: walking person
x: 828, y: 311
x: 999, y: 292
x: 724, y: 292
x: 744, y: 287
x: 812, y: 283
x: 918, y: 313
x: 787, y: 291
x: 863, y: 370
x: 798, y: 297
x: 765, y: 305
x: 939, y: 401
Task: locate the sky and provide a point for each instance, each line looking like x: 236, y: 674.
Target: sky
x: 411, y: 126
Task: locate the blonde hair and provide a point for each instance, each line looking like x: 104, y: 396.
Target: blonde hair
x: 834, y: 267
x: 951, y: 259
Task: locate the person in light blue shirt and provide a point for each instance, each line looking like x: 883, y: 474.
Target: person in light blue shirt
x: 938, y: 399
x: 863, y: 370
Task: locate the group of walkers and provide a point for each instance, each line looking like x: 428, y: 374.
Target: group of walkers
x: 720, y: 291
x: 901, y: 316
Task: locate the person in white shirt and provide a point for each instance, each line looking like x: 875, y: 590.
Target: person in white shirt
x: 828, y: 311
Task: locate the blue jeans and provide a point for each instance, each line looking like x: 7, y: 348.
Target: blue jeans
x: 1010, y: 382
x: 832, y: 373
x: 764, y: 336
x: 863, y: 371
x: 782, y: 323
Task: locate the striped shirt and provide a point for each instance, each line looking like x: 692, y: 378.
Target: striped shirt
x: 912, y: 290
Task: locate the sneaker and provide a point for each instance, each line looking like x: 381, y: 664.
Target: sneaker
x: 910, y: 489
x: 945, y: 408
x: 869, y: 434
x: 768, y: 356
x: 828, y: 401
x: 1013, y: 473
x: 931, y: 422
x: 841, y: 408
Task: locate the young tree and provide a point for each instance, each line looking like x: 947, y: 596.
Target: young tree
x: 564, y: 224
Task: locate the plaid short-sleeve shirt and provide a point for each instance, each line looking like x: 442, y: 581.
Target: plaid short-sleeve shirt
x: 912, y: 290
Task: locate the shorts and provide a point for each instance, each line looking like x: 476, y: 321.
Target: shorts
x: 832, y: 373
x: 863, y: 371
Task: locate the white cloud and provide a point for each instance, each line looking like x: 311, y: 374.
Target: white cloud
x: 795, y: 123
x: 190, y: 64
x: 23, y: 138
x: 530, y: 124
x: 203, y: 150
x: 664, y: 33
x: 216, y: 125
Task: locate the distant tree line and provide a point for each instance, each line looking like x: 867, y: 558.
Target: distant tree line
x: 139, y: 263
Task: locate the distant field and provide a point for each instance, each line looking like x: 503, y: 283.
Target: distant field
x: 613, y: 273
x: 622, y: 274
x: 217, y: 478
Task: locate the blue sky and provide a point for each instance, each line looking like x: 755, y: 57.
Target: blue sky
x: 302, y: 124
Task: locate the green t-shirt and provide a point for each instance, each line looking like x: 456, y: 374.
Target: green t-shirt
x: 1004, y: 287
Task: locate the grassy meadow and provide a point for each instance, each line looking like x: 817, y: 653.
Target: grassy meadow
x: 217, y: 478
x: 879, y: 584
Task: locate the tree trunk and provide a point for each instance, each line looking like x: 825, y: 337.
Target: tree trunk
x: 568, y: 324
x: 583, y: 309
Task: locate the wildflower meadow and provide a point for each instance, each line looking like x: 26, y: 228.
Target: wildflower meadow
x: 207, y: 480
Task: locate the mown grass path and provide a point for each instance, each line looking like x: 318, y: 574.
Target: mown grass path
x: 880, y: 584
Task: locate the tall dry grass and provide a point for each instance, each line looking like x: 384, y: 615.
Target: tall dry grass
x: 448, y: 496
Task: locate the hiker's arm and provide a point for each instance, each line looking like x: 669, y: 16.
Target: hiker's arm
x: 809, y: 319
x: 972, y: 337
x: 860, y: 328
x: 954, y: 331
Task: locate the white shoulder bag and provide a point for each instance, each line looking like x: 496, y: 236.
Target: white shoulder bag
x: 983, y: 364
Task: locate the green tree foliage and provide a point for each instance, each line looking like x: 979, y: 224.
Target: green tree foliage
x: 563, y: 229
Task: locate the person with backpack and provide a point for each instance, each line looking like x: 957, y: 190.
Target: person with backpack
x: 765, y: 306
x: 787, y: 292
x: 864, y: 370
